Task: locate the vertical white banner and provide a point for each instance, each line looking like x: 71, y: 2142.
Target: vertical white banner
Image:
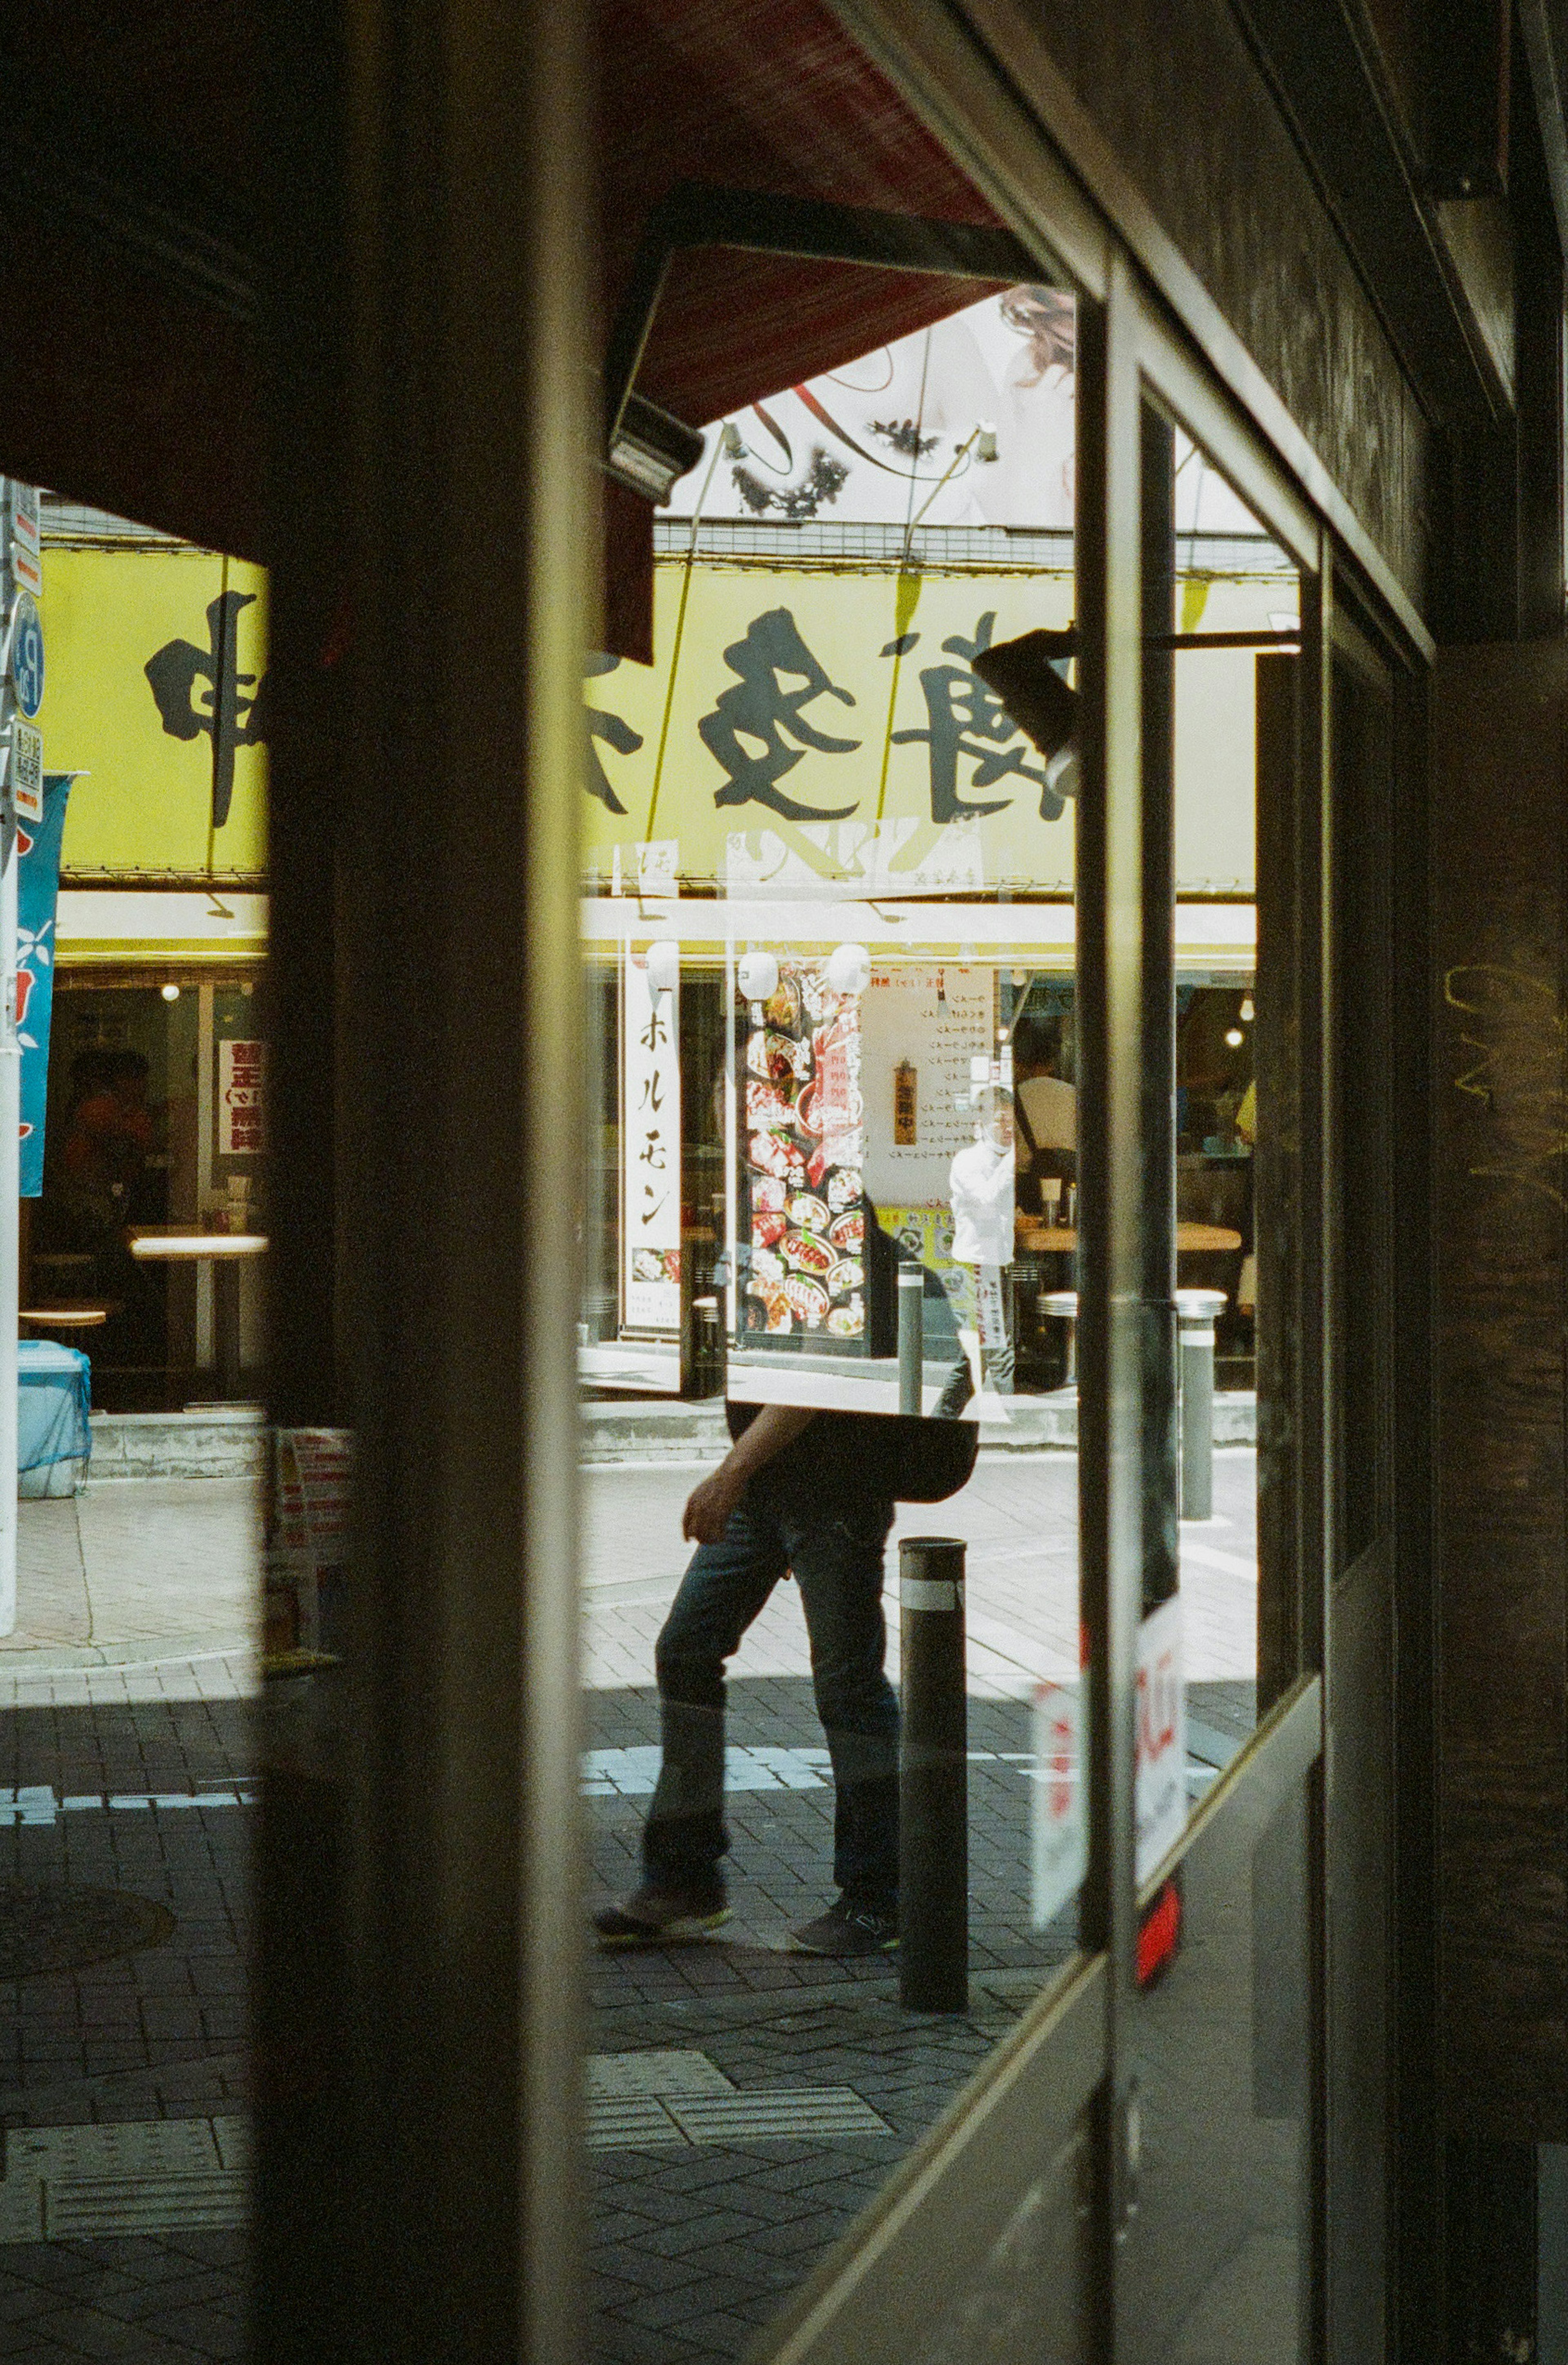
x: 650, y: 1151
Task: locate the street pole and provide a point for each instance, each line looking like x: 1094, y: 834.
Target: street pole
x: 1195, y: 1312
x: 912, y: 1338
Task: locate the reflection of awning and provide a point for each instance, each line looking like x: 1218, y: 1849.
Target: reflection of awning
x: 128, y: 928
x: 774, y: 101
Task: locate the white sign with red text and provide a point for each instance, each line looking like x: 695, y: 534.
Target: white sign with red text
x: 1159, y: 1750
x: 242, y: 1086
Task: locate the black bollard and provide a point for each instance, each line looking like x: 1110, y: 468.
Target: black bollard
x: 933, y: 1811
x: 911, y: 1338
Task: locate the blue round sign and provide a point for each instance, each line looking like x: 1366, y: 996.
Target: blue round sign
x: 27, y: 655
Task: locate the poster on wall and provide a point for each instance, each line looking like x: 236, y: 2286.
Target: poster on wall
x: 804, y: 1138
x: 38, y: 896
x: 650, y: 1151
x: 922, y: 1026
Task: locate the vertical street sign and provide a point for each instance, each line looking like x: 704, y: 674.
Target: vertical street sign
x: 22, y: 536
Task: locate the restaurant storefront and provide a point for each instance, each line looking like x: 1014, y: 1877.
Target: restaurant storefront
x: 155, y: 710
x: 811, y: 761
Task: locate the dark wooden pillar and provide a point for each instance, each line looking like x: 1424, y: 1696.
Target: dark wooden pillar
x: 1499, y: 776
x: 1500, y: 940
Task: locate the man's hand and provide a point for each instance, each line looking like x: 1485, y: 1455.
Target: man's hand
x: 711, y: 1506
x: 708, y: 1506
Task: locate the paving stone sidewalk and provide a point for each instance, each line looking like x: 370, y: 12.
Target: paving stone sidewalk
x: 698, y: 2246
x: 125, y: 1768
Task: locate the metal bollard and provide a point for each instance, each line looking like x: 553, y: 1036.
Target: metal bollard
x: 912, y: 1338
x: 1195, y: 1312
x: 933, y: 1770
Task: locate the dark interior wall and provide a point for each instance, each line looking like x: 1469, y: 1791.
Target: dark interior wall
x: 1175, y: 90
x: 131, y: 261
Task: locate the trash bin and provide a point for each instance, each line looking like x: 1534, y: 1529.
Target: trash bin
x: 54, y: 1440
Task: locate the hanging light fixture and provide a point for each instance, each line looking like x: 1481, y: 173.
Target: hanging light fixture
x: 650, y: 452
x: 756, y: 974
x: 664, y: 966
x: 849, y: 968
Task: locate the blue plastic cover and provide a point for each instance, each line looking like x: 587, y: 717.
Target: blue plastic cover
x: 54, y: 1395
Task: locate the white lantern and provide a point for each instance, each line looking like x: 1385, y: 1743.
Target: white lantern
x: 757, y: 977
x: 664, y: 966
x: 849, y: 968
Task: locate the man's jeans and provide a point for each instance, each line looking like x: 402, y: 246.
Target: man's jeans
x: 837, y: 1561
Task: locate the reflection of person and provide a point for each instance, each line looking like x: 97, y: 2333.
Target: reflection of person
x: 1046, y: 1110
x: 104, y: 1155
x: 979, y: 1184
x: 800, y: 1493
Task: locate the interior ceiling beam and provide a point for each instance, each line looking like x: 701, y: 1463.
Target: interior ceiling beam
x: 1331, y: 94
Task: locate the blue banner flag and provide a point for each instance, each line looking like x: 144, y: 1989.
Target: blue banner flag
x: 38, y: 895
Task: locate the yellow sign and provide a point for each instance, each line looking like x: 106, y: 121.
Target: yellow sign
x: 819, y: 724
x: 141, y: 645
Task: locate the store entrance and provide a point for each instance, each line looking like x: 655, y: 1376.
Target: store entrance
x: 147, y: 1137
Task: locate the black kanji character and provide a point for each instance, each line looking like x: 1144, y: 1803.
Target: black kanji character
x: 965, y: 718
x: 230, y: 710
x: 615, y: 732
x: 759, y: 711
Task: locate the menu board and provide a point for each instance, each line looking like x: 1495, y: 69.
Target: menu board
x: 804, y: 1145
x: 921, y: 1026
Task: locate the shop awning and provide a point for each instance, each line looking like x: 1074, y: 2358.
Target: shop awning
x: 774, y: 102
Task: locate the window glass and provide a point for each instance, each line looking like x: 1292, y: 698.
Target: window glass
x: 828, y: 929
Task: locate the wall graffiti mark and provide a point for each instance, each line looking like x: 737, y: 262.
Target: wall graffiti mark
x: 1510, y: 1058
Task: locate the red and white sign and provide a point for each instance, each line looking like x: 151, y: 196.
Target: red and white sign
x: 1159, y: 1751
x: 241, y: 1090
x: 1060, y: 1839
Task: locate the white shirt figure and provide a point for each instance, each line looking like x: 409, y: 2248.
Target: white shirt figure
x: 979, y: 1184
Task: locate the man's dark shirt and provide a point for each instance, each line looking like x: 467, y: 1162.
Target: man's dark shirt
x: 844, y: 1460
x: 839, y: 1462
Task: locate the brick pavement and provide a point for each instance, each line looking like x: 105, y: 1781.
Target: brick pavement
x: 129, y: 1683
x: 695, y: 2250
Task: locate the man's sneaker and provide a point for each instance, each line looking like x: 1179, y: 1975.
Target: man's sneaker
x: 848, y: 1928
x: 661, y: 1917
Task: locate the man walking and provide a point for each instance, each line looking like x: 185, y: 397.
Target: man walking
x: 810, y: 1494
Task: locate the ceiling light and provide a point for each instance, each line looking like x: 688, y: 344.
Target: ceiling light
x: 1248, y: 1013
x: 1234, y: 1037
x: 169, y: 992
x: 650, y: 452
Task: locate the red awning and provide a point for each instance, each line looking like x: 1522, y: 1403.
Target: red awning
x: 773, y: 100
